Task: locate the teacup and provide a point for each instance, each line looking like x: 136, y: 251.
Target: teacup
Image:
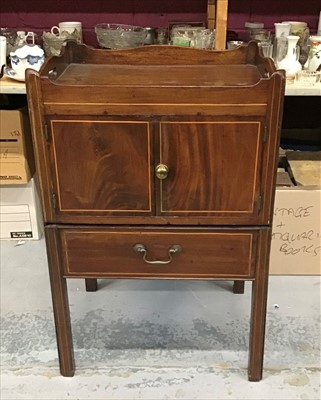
x: 68, y: 29
x: 26, y: 57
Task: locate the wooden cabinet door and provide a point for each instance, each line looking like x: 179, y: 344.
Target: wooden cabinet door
x: 213, y: 168
x: 101, y: 167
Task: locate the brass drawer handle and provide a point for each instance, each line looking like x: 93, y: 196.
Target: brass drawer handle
x: 141, y: 249
x: 161, y: 171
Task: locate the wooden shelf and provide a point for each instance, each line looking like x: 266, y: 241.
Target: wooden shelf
x: 9, y: 86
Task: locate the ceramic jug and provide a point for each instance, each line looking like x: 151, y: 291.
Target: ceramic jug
x: 27, y: 56
x: 314, y: 59
x: 290, y: 62
x: 24, y: 38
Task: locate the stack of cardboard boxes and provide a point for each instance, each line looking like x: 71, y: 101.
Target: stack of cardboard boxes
x: 20, y: 209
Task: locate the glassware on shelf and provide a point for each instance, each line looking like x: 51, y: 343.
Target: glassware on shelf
x: 120, y: 36
x: 307, y: 78
x: 193, y: 36
x: 262, y: 35
x: 52, y: 44
x: 279, y: 50
x: 250, y: 27
x: 280, y: 44
x: 204, y: 39
x: 162, y: 36
x: 267, y: 49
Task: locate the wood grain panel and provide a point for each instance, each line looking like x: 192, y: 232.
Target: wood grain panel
x: 157, y: 94
x: 213, y: 167
x: 102, y: 166
x: 155, y: 109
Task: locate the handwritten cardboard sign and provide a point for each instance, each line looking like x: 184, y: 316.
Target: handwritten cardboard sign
x: 296, y: 233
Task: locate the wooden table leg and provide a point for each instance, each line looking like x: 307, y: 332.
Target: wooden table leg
x: 91, y: 284
x: 60, y: 305
x: 259, y: 302
x: 238, y: 287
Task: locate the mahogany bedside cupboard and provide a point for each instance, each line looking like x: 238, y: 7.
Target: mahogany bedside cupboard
x: 157, y: 162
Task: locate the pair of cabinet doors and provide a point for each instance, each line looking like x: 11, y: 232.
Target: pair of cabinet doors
x: 157, y: 168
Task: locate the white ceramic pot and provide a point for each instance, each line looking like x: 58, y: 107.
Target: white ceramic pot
x: 27, y: 56
x: 282, y: 29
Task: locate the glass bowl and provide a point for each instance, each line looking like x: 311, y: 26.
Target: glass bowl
x: 308, y: 78
x: 52, y: 44
x: 120, y: 36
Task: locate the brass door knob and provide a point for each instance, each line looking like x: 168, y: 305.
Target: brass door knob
x: 161, y: 171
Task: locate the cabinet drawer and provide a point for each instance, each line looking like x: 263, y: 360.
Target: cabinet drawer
x: 164, y: 253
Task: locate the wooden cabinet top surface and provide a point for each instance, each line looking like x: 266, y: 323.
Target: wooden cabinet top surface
x: 158, y: 76
x: 80, y: 65
x: 162, y: 75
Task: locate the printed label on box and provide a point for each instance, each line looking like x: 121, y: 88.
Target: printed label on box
x: 21, y: 235
x: 20, y: 212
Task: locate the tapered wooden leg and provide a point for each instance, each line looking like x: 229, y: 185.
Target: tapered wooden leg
x: 60, y: 304
x: 91, y: 285
x: 238, y: 287
x: 259, y: 302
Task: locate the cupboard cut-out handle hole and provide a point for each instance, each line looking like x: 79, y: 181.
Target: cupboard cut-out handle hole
x: 53, y: 74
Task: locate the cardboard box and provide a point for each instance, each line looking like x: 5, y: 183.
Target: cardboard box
x: 20, y: 212
x: 17, y: 164
x: 296, y: 232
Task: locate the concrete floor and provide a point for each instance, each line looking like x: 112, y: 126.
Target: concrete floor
x: 154, y: 339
